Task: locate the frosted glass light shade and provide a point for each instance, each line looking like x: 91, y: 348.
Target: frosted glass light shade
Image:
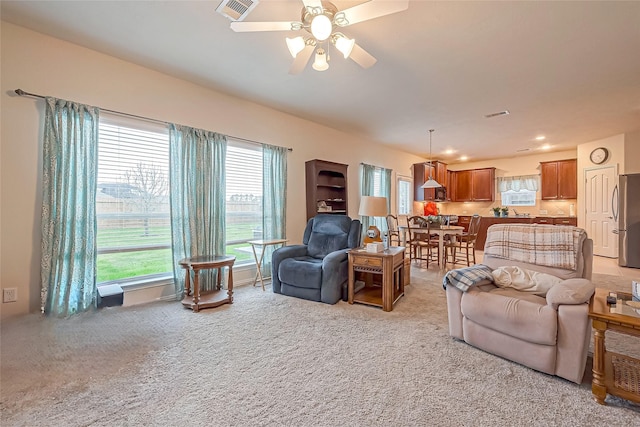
x: 320, y: 63
x: 321, y: 27
x: 295, y: 45
x: 345, y: 46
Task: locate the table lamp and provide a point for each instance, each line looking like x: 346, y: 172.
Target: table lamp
x: 373, y: 206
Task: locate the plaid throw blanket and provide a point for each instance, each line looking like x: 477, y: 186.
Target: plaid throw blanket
x: 548, y: 245
x: 464, y: 278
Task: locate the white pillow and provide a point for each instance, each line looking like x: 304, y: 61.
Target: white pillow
x: 524, y: 280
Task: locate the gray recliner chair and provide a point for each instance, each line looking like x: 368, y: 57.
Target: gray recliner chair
x: 317, y: 270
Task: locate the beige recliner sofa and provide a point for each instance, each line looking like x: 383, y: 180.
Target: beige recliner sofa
x: 550, y: 332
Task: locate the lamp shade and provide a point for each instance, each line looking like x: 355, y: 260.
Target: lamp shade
x: 373, y: 206
x: 431, y: 183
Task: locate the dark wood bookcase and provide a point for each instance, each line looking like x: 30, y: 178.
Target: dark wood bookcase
x: 326, y: 183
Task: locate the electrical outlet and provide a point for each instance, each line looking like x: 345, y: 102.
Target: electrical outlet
x: 10, y: 295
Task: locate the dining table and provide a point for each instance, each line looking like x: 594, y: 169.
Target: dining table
x: 441, y: 231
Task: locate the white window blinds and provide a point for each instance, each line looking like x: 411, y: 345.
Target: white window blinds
x: 132, y: 204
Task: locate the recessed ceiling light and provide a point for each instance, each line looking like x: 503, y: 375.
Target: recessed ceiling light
x: 545, y: 147
x: 449, y: 151
x: 541, y: 138
x: 463, y: 158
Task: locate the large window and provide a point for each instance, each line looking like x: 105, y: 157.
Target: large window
x: 134, y: 230
x: 244, y: 198
x: 132, y: 203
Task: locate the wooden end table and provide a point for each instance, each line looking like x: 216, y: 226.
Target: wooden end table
x: 207, y: 299
x: 613, y: 373
x: 383, y: 274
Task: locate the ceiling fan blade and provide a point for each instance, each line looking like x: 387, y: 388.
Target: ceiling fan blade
x: 362, y: 57
x: 373, y: 9
x: 312, y: 3
x: 301, y: 60
x: 261, y: 26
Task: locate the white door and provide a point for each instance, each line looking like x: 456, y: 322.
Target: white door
x: 599, y: 221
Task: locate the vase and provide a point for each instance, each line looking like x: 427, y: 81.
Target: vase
x: 496, y: 214
x: 505, y: 214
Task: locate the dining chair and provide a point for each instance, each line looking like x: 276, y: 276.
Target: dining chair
x: 393, y: 233
x: 420, y: 240
x: 464, y: 244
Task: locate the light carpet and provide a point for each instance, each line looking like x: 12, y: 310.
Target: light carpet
x: 275, y: 360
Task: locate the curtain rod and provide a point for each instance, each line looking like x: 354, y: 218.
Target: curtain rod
x: 367, y: 164
x: 23, y: 93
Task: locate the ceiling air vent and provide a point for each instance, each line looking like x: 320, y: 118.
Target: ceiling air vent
x: 499, y: 113
x: 236, y: 10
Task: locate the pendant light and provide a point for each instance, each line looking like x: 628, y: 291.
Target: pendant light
x: 430, y: 183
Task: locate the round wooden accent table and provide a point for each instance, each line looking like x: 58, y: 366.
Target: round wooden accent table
x: 196, y: 300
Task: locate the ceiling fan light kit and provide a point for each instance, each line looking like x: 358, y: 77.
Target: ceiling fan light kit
x: 295, y: 45
x: 321, y: 27
x: 320, y: 20
x: 343, y: 44
x: 321, y: 62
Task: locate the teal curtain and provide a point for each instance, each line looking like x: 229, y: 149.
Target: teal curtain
x: 70, y: 158
x: 367, y: 188
x: 197, y: 198
x: 274, y: 198
x: 375, y: 181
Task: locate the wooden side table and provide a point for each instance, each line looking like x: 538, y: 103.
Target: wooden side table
x: 262, y: 246
x: 207, y: 299
x: 383, y: 274
x: 613, y: 373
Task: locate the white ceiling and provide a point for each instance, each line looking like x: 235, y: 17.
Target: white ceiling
x: 567, y: 70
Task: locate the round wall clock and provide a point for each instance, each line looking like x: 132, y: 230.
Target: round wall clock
x: 599, y: 155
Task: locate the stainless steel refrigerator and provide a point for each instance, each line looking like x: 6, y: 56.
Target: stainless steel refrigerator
x: 626, y: 210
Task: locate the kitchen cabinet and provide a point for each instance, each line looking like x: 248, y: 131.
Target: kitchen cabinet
x: 326, y: 186
x: 559, y: 180
x: 463, y: 186
x: 555, y: 221
x: 421, y: 175
x: 487, y: 222
x: 464, y: 221
x: 475, y: 185
x: 566, y: 221
x: 451, y: 185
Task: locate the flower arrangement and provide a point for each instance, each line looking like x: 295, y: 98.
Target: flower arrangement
x: 496, y: 210
x: 505, y: 211
x: 434, y: 219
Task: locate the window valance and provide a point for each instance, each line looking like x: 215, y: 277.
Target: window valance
x: 517, y: 183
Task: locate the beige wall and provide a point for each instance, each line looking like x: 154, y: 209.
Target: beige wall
x: 632, y: 152
x: 48, y: 66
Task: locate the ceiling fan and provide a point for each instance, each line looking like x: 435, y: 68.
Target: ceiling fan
x: 320, y: 20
